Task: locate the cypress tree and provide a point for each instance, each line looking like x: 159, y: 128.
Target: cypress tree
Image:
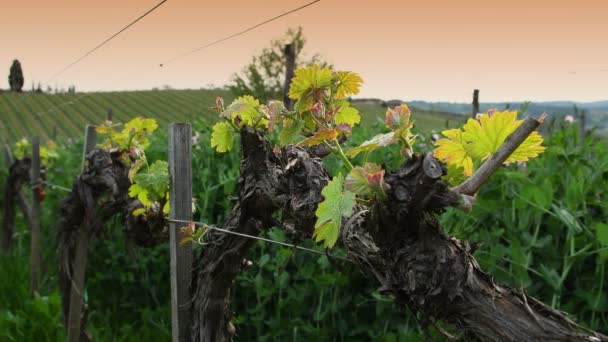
x: 15, y: 77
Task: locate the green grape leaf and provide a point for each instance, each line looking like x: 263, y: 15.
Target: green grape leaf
x: 138, y: 212
x: 22, y: 149
x: 309, y: 78
x: 325, y: 134
x: 139, y: 192
x: 347, y: 115
x: 134, y: 134
x: 239, y: 105
x: 140, y: 124
x: 481, y: 138
x: 105, y: 129
x: 247, y: 110
x: 48, y: 153
x: 47, y: 156
x: 379, y: 140
x: 336, y: 204
x: 222, y: 137
x: 290, y: 132
x: 154, y: 181
x: 455, y: 151
x: 489, y: 132
x: 347, y: 83
x: 529, y: 148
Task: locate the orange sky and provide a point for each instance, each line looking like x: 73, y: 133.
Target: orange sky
x: 432, y: 50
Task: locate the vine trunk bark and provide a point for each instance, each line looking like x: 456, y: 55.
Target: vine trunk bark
x: 19, y: 174
x: 99, y: 193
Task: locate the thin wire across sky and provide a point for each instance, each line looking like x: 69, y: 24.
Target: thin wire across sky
x: 55, y: 75
x: 187, y: 53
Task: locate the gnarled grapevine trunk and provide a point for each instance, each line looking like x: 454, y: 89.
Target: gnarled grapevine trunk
x: 399, y: 242
x: 290, y: 182
x: 19, y: 173
x: 100, y: 192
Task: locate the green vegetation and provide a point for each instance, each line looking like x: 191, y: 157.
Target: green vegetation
x: 542, y: 228
x: 26, y: 114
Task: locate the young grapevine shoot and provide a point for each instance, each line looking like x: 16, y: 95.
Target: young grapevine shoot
x: 323, y: 116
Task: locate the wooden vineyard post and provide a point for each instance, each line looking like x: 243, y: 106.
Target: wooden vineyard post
x: 90, y: 138
x: 180, y: 170
x: 35, y: 216
x: 475, y: 108
x: 582, y: 117
x: 290, y: 65
x: 8, y: 157
x: 80, y: 260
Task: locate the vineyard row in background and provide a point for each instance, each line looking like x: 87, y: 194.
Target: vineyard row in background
x: 63, y: 115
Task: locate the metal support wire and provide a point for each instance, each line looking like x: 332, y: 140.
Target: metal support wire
x: 56, y: 187
x: 36, y: 184
x: 235, y: 34
x: 209, y: 227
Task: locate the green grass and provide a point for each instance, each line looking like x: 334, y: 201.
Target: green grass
x: 28, y: 114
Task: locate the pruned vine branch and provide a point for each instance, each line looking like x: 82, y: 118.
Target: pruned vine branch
x: 513, y: 141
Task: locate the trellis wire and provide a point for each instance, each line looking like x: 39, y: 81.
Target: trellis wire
x: 50, y: 185
x: 284, y: 244
x: 55, y: 186
x: 236, y: 34
x: 104, y: 42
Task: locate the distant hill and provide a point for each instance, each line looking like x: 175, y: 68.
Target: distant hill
x: 597, y: 111
x: 465, y: 108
